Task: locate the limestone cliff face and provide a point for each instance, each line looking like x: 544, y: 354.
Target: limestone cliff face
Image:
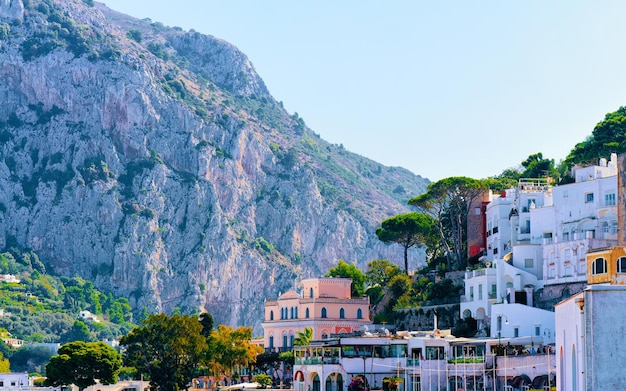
x: 154, y: 162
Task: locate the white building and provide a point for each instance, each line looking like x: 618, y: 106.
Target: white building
x: 590, y: 355
x: 583, y: 216
x: 15, y: 381
x: 419, y: 361
x: 536, y: 240
x: 87, y: 315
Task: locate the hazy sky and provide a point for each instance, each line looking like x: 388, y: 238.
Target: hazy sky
x: 442, y: 88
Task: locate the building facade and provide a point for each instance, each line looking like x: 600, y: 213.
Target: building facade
x: 589, y: 324
x: 421, y: 361
x: 536, y: 240
x: 324, y: 304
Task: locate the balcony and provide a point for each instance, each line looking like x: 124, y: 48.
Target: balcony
x: 317, y: 360
x: 480, y: 272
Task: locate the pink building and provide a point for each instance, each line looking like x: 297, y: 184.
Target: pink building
x: 325, y: 305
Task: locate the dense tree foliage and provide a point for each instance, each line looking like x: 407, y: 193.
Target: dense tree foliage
x: 346, y: 270
x: 82, y: 363
x: 536, y: 166
x: 78, y: 332
x: 43, y: 308
x: 449, y: 201
x: 230, y: 349
x: 166, y: 350
x: 467, y: 327
x: 5, y: 364
x: 608, y: 136
x: 31, y: 359
x: 407, y: 230
x: 207, y: 322
x: 380, y: 272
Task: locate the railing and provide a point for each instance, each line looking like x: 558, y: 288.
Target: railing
x: 316, y: 360
x: 466, y: 360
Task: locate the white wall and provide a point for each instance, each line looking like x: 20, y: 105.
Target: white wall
x: 526, y: 319
x: 568, y: 322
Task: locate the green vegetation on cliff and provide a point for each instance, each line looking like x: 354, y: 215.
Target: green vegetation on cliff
x: 38, y: 307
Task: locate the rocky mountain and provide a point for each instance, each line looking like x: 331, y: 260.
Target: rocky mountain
x: 154, y: 162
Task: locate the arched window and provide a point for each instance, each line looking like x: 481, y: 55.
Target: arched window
x: 307, y: 314
x: 271, y: 341
x: 324, y: 315
x: 285, y: 336
x: 359, y: 314
x: 598, y: 266
x: 311, y: 293
x: 296, y: 312
x: 621, y: 265
x: 271, y: 315
x: 342, y: 313
x: 292, y: 315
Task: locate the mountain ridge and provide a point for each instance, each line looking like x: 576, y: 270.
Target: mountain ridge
x: 158, y: 165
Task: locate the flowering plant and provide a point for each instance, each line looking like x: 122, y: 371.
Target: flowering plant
x: 357, y: 384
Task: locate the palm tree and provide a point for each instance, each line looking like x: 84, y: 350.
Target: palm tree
x: 304, y: 338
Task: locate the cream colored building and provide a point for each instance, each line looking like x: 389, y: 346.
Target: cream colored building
x: 324, y: 304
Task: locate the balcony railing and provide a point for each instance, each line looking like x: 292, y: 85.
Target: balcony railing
x: 316, y: 360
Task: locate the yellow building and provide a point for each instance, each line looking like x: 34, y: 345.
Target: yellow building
x: 606, y: 265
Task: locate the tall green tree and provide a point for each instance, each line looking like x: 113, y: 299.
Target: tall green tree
x: 82, y: 364
x: 207, y: 322
x: 407, y: 230
x: 449, y: 201
x: 166, y: 349
x: 536, y: 166
x: 349, y: 270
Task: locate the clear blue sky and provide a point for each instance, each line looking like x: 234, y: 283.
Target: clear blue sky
x: 442, y: 88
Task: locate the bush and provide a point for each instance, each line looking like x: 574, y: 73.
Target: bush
x: 264, y: 245
x: 135, y: 35
x: 264, y: 380
x: 4, y: 31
